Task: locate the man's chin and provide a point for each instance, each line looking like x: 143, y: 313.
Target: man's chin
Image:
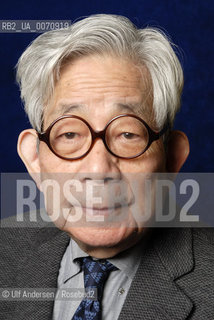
x: 102, y: 239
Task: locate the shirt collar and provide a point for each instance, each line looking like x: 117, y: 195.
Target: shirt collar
x: 126, y: 261
x: 70, y: 264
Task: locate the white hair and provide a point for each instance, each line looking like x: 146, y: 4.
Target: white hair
x: 38, y: 68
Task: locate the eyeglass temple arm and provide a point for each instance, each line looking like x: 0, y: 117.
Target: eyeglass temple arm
x: 157, y: 135
x: 42, y: 136
x: 164, y: 130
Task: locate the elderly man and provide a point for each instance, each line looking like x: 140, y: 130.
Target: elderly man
x: 101, y: 96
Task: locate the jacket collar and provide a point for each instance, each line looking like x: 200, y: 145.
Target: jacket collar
x: 40, y: 270
x: 154, y: 293
x: 175, y: 250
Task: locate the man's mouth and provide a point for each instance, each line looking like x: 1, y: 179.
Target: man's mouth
x: 103, y: 211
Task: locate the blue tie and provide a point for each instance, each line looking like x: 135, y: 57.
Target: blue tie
x: 95, y: 275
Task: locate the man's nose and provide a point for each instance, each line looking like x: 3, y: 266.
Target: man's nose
x: 100, y: 163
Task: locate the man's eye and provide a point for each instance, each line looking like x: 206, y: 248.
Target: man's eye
x: 70, y: 135
x: 129, y: 135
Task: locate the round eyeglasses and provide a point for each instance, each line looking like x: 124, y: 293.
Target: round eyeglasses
x: 125, y: 136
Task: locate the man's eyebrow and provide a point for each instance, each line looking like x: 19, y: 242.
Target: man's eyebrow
x: 64, y: 108
x: 132, y: 107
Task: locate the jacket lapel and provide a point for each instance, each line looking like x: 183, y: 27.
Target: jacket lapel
x: 154, y: 293
x: 40, y: 270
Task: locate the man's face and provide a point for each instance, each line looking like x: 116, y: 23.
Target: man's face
x: 97, y: 89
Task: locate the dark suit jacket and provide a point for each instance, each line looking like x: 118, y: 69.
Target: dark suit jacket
x: 175, y: 279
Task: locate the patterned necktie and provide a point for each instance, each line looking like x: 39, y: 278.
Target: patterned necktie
x: 95, y: 275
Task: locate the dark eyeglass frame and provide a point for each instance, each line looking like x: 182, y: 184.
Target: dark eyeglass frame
x: 153, y: 135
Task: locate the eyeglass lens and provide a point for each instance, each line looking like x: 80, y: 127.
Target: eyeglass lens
x: 125, y: 137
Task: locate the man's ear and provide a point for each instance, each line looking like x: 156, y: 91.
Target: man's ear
x: 177, y: 150
x: 27, y: 150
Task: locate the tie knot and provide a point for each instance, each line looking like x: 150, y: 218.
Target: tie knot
x: 96, y: 273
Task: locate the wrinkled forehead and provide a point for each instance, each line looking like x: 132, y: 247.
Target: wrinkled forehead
x: 101, y: 85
